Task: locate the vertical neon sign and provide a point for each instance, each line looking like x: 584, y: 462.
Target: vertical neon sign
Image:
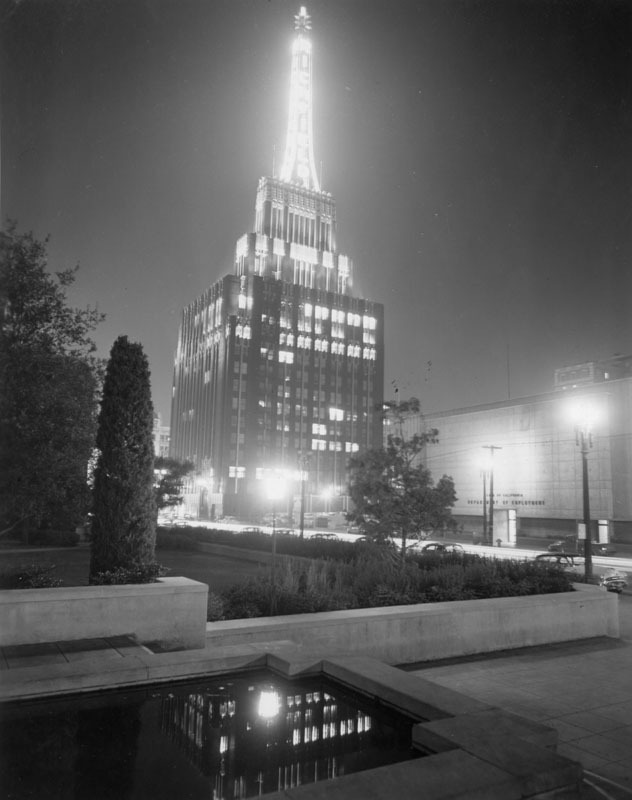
x: 298, y: 164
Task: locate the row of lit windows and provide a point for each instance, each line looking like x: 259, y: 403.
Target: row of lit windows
x: 322, y: 444
x: 337, y: 348
x: 338, y: 315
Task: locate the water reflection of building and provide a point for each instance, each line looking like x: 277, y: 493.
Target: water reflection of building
x: 247, y: 750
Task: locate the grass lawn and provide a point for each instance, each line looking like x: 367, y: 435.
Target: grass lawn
x: 71, y: 565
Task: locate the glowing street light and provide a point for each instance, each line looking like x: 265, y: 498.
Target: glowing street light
x: 269, y: 704
x: 583, y: 414
x: 327, y: 493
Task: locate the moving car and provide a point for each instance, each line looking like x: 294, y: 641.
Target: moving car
x: 251, y: 529
x: 329, y: 536
x: 572, y: 545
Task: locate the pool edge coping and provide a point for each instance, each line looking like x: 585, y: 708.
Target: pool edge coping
x: 514, y: 755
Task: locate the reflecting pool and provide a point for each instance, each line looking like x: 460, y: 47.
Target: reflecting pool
x: 223, y: 738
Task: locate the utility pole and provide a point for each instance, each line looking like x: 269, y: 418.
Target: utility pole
x: 485, y: 506
x: 490, y: 526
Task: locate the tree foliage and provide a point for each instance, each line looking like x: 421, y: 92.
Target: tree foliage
x: 169, y: 480
x: 392, y: 492
x: 48, y: 390
x: 124, y: 511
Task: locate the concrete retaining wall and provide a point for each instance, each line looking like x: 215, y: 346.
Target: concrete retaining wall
x: 171, y: 612
x: 405, y: 634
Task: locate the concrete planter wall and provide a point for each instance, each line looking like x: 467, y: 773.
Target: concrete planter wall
x: 405, y: 634
x: 171, y: 612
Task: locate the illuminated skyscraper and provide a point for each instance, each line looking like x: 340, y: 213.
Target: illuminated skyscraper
x: 279, y: 368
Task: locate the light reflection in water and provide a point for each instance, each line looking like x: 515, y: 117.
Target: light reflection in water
x: 228, y: 739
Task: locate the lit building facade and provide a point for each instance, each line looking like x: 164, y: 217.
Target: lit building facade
x: 537, y: 464
x: 279, y: 369
x: 161, y: 434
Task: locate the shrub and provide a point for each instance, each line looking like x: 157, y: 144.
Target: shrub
x: 53, y: 538
x: 214, y: 607
x: 136, y: 573
x: 248, y: 599
x: 375, y: 579
x: 176, y: 539
x: 29, y: 576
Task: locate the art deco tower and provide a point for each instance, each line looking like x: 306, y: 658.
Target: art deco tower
x: 278, y: 365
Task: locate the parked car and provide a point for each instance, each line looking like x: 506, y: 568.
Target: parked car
x: 284, y: 531
x: 565, y: 561
x: 328, y: 536
x: 436, y: 547
x: 367, y: 540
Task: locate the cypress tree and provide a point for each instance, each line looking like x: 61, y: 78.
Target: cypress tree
x: 124, y: 521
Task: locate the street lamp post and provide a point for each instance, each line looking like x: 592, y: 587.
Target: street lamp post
x: 585, y: 440
x: 583, y: 414
x: 303, y: 461
x: 275, y: 492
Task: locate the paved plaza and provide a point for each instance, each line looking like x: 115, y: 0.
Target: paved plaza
x: 583, y: 689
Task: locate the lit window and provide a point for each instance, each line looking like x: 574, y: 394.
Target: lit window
x: 286, y: 357
x: 308, y: 309
x: 242, y: 301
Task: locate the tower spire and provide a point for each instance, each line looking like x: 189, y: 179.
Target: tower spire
x: 298, y: 163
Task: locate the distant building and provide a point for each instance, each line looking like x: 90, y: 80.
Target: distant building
x: 279, y: 369
x: 537, y: 463
x: 578, y: 375
x: 161, y: 436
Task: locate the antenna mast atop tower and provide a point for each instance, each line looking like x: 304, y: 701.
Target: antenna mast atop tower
x: 298, y: 163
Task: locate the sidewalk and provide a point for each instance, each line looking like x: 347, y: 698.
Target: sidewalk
x: 582, y: 689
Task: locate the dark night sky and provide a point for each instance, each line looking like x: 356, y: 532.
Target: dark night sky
x: 479, y: 152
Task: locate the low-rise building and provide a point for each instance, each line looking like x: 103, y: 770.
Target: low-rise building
x: 536, y: 457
